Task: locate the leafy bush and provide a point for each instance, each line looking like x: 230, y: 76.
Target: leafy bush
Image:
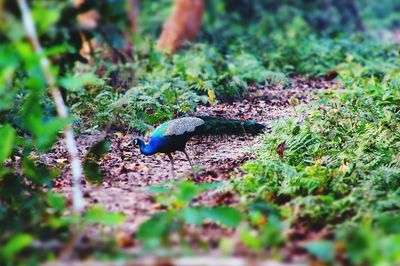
x: 156, y: 232
x: 260, y: 224
x: 32, y: 215
x: 28, y: 210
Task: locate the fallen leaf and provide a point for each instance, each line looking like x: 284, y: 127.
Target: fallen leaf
x: 211, y: 96
x: 62, y: 161
x: 330, y: 75
x: 124, y: 240
x: 281, y: 148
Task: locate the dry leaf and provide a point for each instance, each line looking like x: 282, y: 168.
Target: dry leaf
x: 211, y: 96
x: 281, y: 149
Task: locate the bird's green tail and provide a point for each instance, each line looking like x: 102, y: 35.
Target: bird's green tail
x: 221, y: 126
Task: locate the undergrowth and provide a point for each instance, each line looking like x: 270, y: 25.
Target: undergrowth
x: 232, y: 51
x: 165, y: 86
x: 162, y: 86
x: 340, y: 168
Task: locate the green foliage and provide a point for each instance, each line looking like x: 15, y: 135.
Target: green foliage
x: 7, y: 135
x: 15, y: 244
x: 28, y: 128
x: 382, y: 14
x: 338, y: 170
x: 177, y: 198
x: 259, y: 224
x: 335, y: 149
x: 258, y: 18
x: 79, y: 82
x: 275, y: 40
x: 340, y: 167
x: 264, y: 228
x: 227, y: 216
x: 323, y: 250
x: 168, y: 85
x: 367, y: 243
x: 31, y: 214
x: 97, y: 215
x: 91, y: 165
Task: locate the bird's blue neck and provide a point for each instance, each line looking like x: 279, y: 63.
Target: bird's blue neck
x: 145, y: 149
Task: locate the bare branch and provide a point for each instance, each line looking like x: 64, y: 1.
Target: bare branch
x: 76, y: 165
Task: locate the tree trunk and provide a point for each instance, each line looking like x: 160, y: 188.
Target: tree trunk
x: 354, y: 11
x: 133, y: 13
x: 183, y: 24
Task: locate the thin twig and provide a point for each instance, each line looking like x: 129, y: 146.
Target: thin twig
x: 76, y: 165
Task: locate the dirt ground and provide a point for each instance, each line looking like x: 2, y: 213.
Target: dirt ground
x: 128, y: 174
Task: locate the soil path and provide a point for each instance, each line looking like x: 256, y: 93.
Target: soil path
x: 128, y: 174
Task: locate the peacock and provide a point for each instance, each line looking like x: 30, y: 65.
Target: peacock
x: 173, y: 135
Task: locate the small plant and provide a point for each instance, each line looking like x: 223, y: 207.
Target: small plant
x: 257, y: 224
x: 181, y: 211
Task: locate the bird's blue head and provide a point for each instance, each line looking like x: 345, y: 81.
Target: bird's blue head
x: 137, y: 142
x: 144, y: 149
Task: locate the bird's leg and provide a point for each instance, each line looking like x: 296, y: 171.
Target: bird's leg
x: 171, y: 159
x: 190, y: 161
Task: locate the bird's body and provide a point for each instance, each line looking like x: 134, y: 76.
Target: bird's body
x: 173, y: 135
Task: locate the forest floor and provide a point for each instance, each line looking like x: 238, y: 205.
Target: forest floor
x: 128, y: 174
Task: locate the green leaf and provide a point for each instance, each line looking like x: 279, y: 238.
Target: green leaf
x: 90, y: 165
x: 208, y: 186
x: 48, y: 132
x: 296, y: 130
x: 5, y: 171
x: 77, y: 83
x: 99, y: 149
x: 227, y: 216
x: 7, y: 137
x: 97, y: 215
x: 390, y: 223
x: 251, y: 239
x: 156, y: 189
x: 155, y: 226
x: 38, y: 174
x: 45, y: 17
x: 16, y: 244
x: 323, y: 250
x: 193, y: 215
x: 92, y: 172
x: 186, y: 191
x: 45, y: 131
x: 153, y: 231
x: 56, y: 201
x: 271, y: 233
